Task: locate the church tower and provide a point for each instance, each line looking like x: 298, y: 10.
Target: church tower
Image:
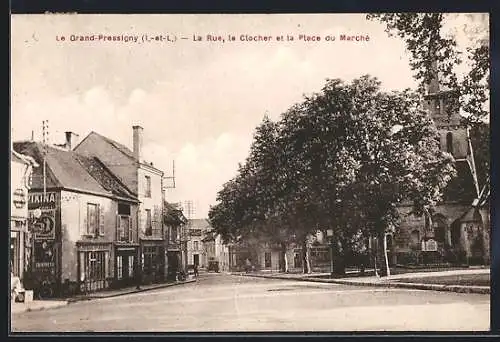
x: 444, y: 108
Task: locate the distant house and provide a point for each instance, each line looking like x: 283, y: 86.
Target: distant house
x: 215, y: 249
x: 175, y: 228
x: 196, y: 230
x: 146, y: 182
x: 83, y: 221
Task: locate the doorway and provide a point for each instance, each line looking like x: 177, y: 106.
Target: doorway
x: 196, y: 259
x: 125, y: 263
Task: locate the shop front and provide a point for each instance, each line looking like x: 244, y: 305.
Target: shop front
x: 94, y: 266
x: 126, y: 261
x: 153, y: 261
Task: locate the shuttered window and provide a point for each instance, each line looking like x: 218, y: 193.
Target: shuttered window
x: 92, y: 218
x: 101, y: 220
x: 123, y: 229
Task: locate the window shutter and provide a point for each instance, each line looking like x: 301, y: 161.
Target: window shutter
x: 85, y: 227
x: 82, y: 219
x: 118, y: 230
x: 130, y: 229
x: 101, y: 219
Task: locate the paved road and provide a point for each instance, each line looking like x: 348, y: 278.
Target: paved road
x: 220, y: 302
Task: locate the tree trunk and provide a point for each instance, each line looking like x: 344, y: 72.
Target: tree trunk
x: 339, y: 259
x: 386, y: 257
x: 380, y: 264
x: 378, y: 257
x: 305, y: 254
x: 284, y: 261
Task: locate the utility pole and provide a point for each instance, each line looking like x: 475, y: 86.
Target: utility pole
x: 45, y: 129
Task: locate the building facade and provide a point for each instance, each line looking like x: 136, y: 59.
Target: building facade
x: 196, y: 230
x: 83, y: 222
x: 176, y: 236
x: 146, y: 182
x: 214, y: 249
x: 21, y: 168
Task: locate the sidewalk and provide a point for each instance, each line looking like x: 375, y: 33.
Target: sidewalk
x: 50, y: 304
x: 36, y: 305
x: 394, y: 281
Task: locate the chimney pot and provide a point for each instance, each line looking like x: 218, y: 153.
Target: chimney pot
x: 137, y: 142
x: 71, y: 140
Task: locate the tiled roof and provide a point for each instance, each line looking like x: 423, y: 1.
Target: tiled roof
x: 202, y: 224
x: 70, y: 170
x: 122, y: 148
x: 104, y: 176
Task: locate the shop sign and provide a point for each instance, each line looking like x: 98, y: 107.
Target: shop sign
x: 44, y: 226
x: 19, y: 198
x: 429, y: 245
x: 42, y: 200
x: 44, y: 255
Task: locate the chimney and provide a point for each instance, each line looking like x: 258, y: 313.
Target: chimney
x: 71, y: 140
x: 137, y: 142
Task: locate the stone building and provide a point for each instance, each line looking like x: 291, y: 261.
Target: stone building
x: 146, y: 182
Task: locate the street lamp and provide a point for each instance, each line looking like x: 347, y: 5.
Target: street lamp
x: 329, y: 234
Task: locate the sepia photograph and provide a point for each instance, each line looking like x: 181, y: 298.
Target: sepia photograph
x: 211, y: 173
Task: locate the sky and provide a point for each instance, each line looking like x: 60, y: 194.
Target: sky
x: 198, y: 101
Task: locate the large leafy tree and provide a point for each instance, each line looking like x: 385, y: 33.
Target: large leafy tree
x: 334, y: 161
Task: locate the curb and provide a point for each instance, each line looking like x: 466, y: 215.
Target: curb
x: 162, y: 286
x: 416, y: 286
x: 40, y: 308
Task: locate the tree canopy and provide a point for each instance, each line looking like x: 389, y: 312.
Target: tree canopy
x: 341, y: 159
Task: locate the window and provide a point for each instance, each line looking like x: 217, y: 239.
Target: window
x: 267, y: 259
x: 195, y: 232
x: 94, y: 270
x: 149, y: 226
x: 195, y: 245
x: 147, y: 186
x: 173, y: 234
x: 123, y: 209
x: 123, y: 232
x: 449, y: 142
x: 130, y: 266
x: 119, y: 267
x: 92, y: 219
